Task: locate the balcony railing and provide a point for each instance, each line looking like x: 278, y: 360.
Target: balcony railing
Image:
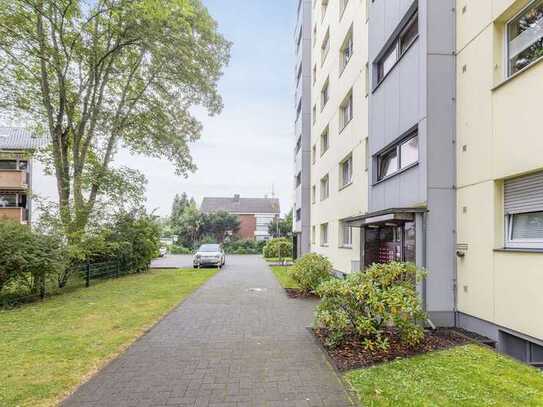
x: 13, y: 179
x: 14, y: 214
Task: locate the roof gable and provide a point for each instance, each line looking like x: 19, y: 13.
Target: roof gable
x: 241, y: 205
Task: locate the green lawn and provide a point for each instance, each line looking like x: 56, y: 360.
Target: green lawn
x: 46, y: 349
x: 281, y: 273
x: 464, y: 376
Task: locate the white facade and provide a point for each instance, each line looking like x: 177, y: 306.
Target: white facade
x: 339, y: 170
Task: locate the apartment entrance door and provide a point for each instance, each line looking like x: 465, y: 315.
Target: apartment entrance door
x: 390, y: 242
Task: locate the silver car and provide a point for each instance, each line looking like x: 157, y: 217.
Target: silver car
x: 209, y: 255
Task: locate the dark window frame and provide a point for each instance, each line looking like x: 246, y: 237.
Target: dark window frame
x: 397, y: 148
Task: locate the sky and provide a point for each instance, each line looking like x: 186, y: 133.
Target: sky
x: 247, y: 149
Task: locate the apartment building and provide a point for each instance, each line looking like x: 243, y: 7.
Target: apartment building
x: 302, y: 130
x: 16, y: 173
x: 500, y: 173
x: 425, y: 142
x: 339, y: 107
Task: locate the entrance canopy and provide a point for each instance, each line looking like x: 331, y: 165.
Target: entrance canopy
x: 393, y: 215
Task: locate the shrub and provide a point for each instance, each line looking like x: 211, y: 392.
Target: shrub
x: 28, y: 259
x: 180, y: 250
x: 367, y: 303
x: 278, y: 248
x: 310, y: 271
x: 244, y: 247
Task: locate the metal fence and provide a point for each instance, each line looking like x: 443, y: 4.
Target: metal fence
x: 80, y: 276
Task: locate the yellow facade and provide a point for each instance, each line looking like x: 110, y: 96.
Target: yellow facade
x: 499, y: 136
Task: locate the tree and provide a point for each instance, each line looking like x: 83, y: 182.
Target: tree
x: 281, y: 227
x: 219, y: 224
x: 180, y: 203
x: 97, y: 74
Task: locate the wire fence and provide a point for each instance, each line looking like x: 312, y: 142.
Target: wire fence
x: 79, y: 276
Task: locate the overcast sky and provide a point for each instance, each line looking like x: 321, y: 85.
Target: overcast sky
x: 248, y: 147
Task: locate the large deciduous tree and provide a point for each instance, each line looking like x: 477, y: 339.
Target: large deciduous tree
x: 100, y: 73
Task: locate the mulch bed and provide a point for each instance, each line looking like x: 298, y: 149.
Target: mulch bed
x: 352, y: 355
x: 297, y: 293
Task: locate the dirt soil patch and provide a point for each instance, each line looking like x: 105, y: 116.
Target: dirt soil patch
x: 352, y: 355
x: 297, y: 293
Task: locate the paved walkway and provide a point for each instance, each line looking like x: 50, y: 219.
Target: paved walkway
x: 170, y: 261
x: 226, y: 345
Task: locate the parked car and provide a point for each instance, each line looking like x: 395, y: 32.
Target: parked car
x: 209, y: 255
x: 163, y: 251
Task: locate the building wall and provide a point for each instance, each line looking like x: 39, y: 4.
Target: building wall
x: 302, y: 132
x: 351, y: 200
x: 498, y: 128
x: 247, y: 226
x: 418, y: 92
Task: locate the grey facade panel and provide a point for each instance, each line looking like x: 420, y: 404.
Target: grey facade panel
x: 419, y: 92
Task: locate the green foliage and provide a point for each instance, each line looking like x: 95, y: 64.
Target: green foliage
x: 93, y: 75
x: 278, y: 248
x: 244, y: 247
x: 28, y: 259
x: 367, y: 303
x: 194, y: 227
x: 180, y: 250
x: 281, y: 227
x: 310, y: 271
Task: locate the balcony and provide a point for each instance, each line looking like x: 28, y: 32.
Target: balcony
x: 14, y: 214
x: 13, y: 180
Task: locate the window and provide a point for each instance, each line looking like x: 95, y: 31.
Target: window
x: 314, y: 194
x: 314, y: 74
x: 298, y: 145
x: 398, y: 48
x: 314, y: 34
x: 8, y: 200
x: 314, y: 154
x: 324, y: 7
x: 409, y: 34
x: 325, y: 96
x: 386, y: 63
x: 525, y: 38
x: 325, y: 140
x: 346, y: 111
x: 388, y: 163
x: 367, y: 80
x: 313, y: 234
x: 325, y: 187
x: 324, y: 234
x: 342, y: 7
x: 346, y: 172
x: 523, y: 203
x: 398, y: 157
x: 409, y: 152
x: 298, y: 110
x: 314, y: 114
x: 299, y: 75
x: 346, y: 50
x: 325, y: 47
x: 298, y: 179
x: 298, y: 215
x: 8, y: 165
x: 346, y: 237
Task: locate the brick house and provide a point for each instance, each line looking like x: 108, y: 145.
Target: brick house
x: 255, y: 214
